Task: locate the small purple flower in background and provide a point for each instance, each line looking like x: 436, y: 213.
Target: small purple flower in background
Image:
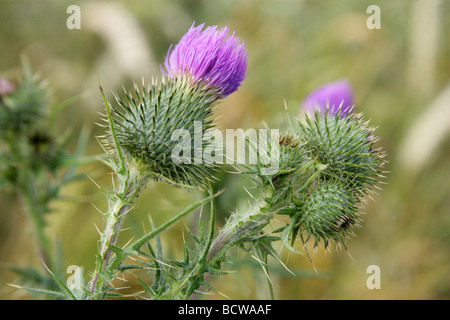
x: 211, y: 57
x: 5, y: 87
x: 332, y: 96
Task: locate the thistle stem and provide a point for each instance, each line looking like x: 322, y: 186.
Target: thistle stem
x: 32, y: 209
x: 237, y: 228
x: 140, y: 242
x: 130, y: 184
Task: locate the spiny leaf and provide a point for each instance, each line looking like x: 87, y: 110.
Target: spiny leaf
x: 56, y: 294
x: 147, y: 287
x: 64, y: 289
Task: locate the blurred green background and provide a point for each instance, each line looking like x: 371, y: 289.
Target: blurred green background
x: 401, y: 79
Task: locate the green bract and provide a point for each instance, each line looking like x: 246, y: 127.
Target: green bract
x: 345, y: 146
x: 327, y: 213
x: 151, y: 124
x: 22, y: 109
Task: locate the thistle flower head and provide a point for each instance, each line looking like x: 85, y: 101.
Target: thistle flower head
x: 332, y: 97
x: 5, y: 87
x: 209, y: 57
x: 23, y: 103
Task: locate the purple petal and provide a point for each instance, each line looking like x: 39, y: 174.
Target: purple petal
x: 5, y: 87
x: 211, y: 57
x: 329, y: 98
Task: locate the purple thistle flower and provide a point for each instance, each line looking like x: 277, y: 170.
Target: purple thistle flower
x: 5, y: 87
x: 211, y: 57
x: 333, y: 96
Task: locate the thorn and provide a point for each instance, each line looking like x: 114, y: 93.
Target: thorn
x: 126, y: 244
x: 14, y: 285
x: 113, y: 183
x: 351, y: 257
x: 93, y: 181
x: 96, y: 208
x: 307, y: 253
x: 49, y: 271
x: 121, y: 288
x: 122, y: 279
x: 99, y: 233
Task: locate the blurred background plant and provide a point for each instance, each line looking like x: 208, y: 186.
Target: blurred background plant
x: 400, y: 75
x: 35, y: 166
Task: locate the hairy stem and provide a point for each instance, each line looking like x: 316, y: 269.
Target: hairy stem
x: 237, y: 228
x: 130, y: 184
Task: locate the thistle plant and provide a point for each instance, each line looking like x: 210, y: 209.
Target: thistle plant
x: 326, y: 165
x: 203, y: 68
x: 35, y: 165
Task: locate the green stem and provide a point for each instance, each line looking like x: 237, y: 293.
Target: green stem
x: 36, y: 217
x: 140, y: 242
x: 211, y: 232
x: 130, y: 184
x: 237, y: 228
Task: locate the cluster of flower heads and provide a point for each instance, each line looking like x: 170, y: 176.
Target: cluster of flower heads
x: 335, y: 146
x: 210, y: 63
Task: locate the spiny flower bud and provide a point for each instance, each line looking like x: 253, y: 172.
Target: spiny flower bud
x: 211, y: 58
x: 330, y: 98
x: 327, y: 213
x: 147, y: 125
x: 22, y: 107
x: 344, y: 145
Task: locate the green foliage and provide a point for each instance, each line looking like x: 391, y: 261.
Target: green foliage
x: 35, y: 165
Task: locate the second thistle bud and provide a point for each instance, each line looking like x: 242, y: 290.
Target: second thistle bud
x: 327, y: 213
x: 334, y: 97
x: 345, y: 146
